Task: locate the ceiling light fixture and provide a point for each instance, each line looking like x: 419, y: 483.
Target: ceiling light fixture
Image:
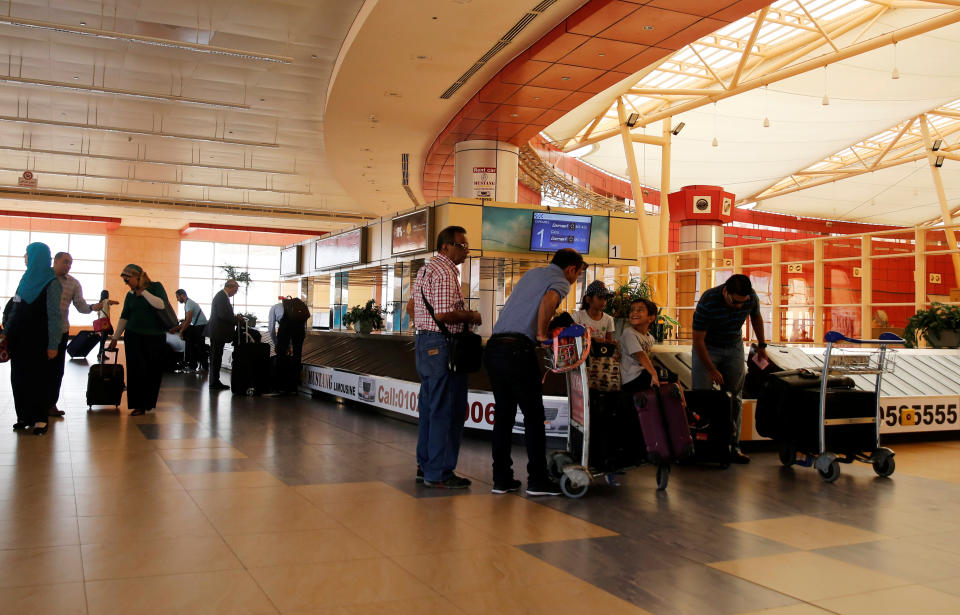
x: 143, y: 40
x: 766, y: 122
x: 939, y: 162
x: 826, y: 99
x: 633, y: 119
x: 937, y: 144
x: 896, y: 72
x: 676, y: 129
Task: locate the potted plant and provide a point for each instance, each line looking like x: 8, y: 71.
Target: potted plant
x: 618, y: 306
x: 365, y: 319
x: 940, y: 326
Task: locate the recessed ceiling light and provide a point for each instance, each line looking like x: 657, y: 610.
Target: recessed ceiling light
x: 262, y: 99
x: 75, y: 77
x: 648, y: 28
x: 601, y: 54
x: 83, y: 23
x: 564, y: 78
x: 536, y: 98
x: 314, y: 56
x: 514, y: 115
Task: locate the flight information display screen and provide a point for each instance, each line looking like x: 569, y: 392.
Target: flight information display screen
x: 551, y: 232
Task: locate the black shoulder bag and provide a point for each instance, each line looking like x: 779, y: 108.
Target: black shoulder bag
x: 464, y: 350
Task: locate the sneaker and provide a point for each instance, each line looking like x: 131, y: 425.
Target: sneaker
x: 543, y: 487
x: 511, y: 486
x: 419, y: 475
x: 737, y: 456
x: 454, y: 482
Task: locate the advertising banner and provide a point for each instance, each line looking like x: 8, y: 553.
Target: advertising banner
x: 401, y: 396
x: 484, y: 182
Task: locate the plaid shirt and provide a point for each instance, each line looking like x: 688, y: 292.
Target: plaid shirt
x: 440, y: 282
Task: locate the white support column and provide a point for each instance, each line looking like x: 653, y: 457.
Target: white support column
x: 941, y: 196
x: 635, y: 184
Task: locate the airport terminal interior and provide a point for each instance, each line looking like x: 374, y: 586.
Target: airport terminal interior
x: 315, y: 149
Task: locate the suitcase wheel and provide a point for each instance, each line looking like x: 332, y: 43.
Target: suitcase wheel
x: 251, y: 392
x: 663, y: 476
x: 832, y: 472
x: 570, y: 490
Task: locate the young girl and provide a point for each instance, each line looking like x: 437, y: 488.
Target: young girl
x: 104, y: 312
x: 636, y: 369
x: 591, y: 313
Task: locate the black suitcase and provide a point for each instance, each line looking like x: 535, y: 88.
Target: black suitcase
x: 616, y: 441
x: 82, y: 343
x: 250, y: 371
x: 780, y: 398
x: 711, y: 424
x: 286, y: 375
x: 105, y: 382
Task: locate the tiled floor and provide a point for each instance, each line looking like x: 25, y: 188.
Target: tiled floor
x: 217, y: 504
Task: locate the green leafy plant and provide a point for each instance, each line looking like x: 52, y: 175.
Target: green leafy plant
x: 663, y: 327
x: 231, y: 272
x: 618, y: 305
x: 370, y: 313
x: 940, y: 317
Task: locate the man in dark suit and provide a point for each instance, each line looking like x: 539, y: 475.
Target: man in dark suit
x: 221, y: 328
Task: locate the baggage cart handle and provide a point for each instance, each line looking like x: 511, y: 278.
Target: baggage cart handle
x: 885, y: 338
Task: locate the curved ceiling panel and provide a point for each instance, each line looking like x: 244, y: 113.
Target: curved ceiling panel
x: 604, y: 42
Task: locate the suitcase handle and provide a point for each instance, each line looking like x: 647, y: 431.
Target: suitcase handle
x: 116, y: 355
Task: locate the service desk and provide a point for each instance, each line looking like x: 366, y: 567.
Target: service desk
x: 379, y: 369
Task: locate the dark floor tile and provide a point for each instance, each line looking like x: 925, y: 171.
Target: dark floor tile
x: 690, y: 589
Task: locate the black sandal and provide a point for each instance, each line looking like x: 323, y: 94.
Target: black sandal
x: 39, y: 431
x: 21, y: 426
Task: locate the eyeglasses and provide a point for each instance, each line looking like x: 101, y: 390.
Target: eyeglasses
x: 462, y: 246
x: 127, y: 276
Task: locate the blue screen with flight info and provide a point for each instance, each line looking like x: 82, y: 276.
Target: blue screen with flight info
x: 551, y: 232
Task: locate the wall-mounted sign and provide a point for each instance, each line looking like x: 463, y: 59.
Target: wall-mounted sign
x: 27, y: 180
x: 551, y: 232
x: 290, y: 261
x: 411, y: 233
x: 339, y: 250
x: 484, y: 182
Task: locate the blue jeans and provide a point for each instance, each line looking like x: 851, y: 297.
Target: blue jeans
x: 730, y: 362
x: 442, y: 408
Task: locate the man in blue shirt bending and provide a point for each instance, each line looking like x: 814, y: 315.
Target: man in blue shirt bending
x: 514, y: 370
x: 718, y: 344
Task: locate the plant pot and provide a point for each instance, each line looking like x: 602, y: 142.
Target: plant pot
x: 945, y: 338
x: 363, y: 327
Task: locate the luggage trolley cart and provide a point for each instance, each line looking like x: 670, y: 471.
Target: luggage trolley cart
x: 862, y: 362
x: 572, y: 467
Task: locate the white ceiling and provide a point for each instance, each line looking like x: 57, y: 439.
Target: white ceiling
x: 269, y: 155
x: 864, y: 100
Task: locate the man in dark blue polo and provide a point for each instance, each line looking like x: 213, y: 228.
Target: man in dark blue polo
x: 718, y: 344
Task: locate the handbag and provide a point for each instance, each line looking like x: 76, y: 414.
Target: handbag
x: 603, y: 367
x: 167, y: 315
x: 4, y: 351
x: 101, y: 324
x: 464, y: 350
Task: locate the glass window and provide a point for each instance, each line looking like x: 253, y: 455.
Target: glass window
x: 89, y: 252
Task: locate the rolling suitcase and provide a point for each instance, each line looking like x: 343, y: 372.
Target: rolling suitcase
x: 286, y: 377
x: 779, y: 405
x: 82, y: 343
x: 711, y: 424
x: 250, y: 371
x: 105, y: 382
x: 615, y: 439
x: 663, y: 422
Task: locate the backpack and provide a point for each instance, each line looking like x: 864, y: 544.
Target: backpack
x: 295, y: 309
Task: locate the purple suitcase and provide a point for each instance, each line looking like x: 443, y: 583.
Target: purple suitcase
x: 663, y: 421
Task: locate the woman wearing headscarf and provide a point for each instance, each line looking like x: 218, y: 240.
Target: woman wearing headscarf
x: 32, y: 327
x: 143, y: 339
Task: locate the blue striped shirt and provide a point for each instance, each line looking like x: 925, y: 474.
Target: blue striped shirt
x: 723, y: 323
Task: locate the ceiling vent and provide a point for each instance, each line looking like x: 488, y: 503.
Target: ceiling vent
x: 499, y: 46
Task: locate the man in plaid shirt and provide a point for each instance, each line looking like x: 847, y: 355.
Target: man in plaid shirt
x: 443, y: 395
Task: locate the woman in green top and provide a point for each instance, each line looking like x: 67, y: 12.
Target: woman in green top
x: 144, y: 340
